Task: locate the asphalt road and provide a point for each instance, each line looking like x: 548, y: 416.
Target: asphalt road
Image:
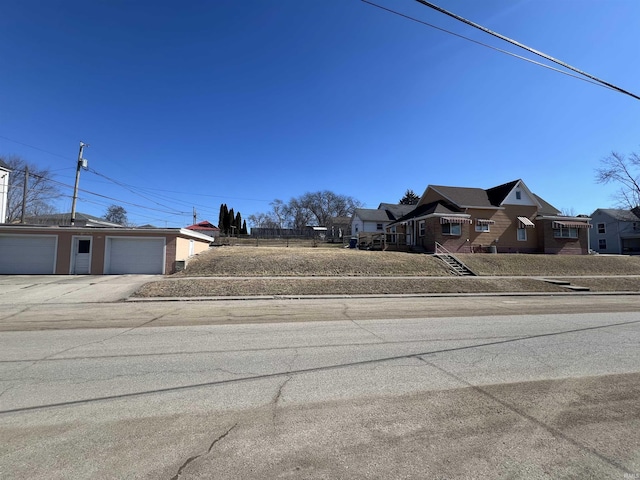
x: 454, y: 387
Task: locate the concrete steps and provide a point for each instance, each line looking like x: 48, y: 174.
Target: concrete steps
x: 566, y: 284
x: 456, y: 265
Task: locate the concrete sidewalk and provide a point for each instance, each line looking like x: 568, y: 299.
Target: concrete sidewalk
x: 39, y: 289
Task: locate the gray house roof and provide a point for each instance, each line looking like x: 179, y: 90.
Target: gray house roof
x: 464, y: 196
x: 64, y: 219
x: 437, y: 207
x: 372, y: 215
x: 618, y: 214
x: 490, y: 198
x: 396, y: 210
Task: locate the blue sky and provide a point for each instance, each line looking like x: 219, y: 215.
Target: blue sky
x: 193, y: 104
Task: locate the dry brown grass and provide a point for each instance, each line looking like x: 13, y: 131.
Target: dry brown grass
x: 348, y: 265
x: 528, y: 265
x: 304, y: 262
x: 210, y: 287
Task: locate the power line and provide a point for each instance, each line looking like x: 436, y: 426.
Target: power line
x: 106, y: 196
x: 506, y: 52
x: 528, y: 49
x: 129, y: 189
x: 66, y: 157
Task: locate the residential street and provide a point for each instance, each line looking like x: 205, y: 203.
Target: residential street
x: 408, y: 393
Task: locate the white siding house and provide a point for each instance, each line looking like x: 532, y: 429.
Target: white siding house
x: 4, y: 190
x: 616, y: 231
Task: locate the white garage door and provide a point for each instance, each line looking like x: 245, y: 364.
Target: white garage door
x: 27, y: 254
x: 134, y: 255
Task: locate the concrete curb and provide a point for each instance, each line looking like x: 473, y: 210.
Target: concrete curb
x: 338, y: 297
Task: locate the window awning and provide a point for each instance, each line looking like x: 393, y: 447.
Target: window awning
x: 484, y: 221
x: 572, y: 225
x: 525, y: 223
x: 455, y: 220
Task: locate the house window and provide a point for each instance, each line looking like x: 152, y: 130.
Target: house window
x: 565, y: 232
x: 482, y: 227
x: 451, y: 229
x: 421, y: 226
x: 379, y: 226
x: 602, y: 244
x: 522, y: 234
x: 602, y: 228
x: 518, y: 195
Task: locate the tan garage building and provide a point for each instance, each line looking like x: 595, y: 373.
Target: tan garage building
x: 31, y: 249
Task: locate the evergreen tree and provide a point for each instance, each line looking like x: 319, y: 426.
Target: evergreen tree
x: 221, y: 217
x: 231, y: 218
x: 227, y: 221
x: 238, y: 223
x: 410, y: 198
x: 244, y: 228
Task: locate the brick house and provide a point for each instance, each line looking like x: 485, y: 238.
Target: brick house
x: 508, y: 218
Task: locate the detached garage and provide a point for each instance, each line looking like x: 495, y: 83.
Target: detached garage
x: 134, y: 255
x: 30, y: 249
x: 28, y: 254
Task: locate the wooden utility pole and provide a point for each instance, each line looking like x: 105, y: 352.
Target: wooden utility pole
x: 24, y: 193
x: 81, y: 163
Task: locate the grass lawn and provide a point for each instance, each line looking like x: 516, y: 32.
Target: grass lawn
x: 327, y: 271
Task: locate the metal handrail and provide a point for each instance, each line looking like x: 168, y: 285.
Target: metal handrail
x: 444, y: 250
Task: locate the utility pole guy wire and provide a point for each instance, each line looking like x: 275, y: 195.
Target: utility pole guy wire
x: 529, y: 49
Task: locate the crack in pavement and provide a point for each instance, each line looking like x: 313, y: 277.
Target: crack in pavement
x: 276, y: 399
x: 35, y: 362
x: 318, y: 369
x: 345, y: 313
x: 26, y: 309
x: 195, y: 457
x: 523, y: 414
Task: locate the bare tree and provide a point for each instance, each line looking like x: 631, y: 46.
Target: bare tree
x: 262, y: 220
x: 326, y: 204
x: 622, y: 170
x: 298, y: 217
x: 278, y: 211
x: 311, y: 208
x: 40, y: 194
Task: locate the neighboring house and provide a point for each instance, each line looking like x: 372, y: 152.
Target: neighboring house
x: 369, y: 220
x: 508, y: 218
x: 62, y: 250
x: 64, y: 219
x: 616, y: 231
x: 206, y: 228
x: 4, y: 190
x: 338, y: 228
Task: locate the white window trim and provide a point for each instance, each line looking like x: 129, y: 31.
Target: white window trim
x: 565, y: 232
x: 451, y: 226
x: 522, y: 231
x: 484, y: 227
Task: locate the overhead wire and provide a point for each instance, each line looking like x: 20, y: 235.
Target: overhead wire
x: 123, y: 185
x: 132, y: 189
x: 527, y: 48
x: 506, y: 52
